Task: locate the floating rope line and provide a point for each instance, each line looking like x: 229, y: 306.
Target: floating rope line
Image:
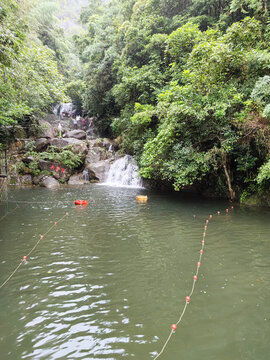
x: 7, y: 207
x: 9, y: 212
x: 24, y: 259
x: 43, y: 202
x: 195, y: 278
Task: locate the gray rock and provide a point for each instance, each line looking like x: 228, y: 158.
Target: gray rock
x: 46, y: 130
x: 93, y: 156
x: 49, y: 182
x: 78, y: 146
x: 28, y: 160
x: 16, y: 147
x: 105, y: 143
x: 92, y: 132
x: 58, y: 171
x: 99, y: 169
x: 41, y: 144
x: 77, y: 134
x: 45, y: 165
x: 38, y: 179
x: 110, y: 145
x: 77, y: 180
x: 25, y: 180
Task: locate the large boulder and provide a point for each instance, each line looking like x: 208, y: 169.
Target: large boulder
x: 78, y: 179
x: 46, y: 130
x: 58, y: 171
x: 77, y: 134
x: 28, y: 159
x: 99, y: 170
x: 93, y: 156
x: 110, y: 145
x: 77, y: 146
x: 25, y: 180
x: 40, y: 144
x: 257, y: 200
x: 16, y: 147
x: 38, y: 179
x: 49, y: 182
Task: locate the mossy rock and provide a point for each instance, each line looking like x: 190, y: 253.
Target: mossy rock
x: 257, y: 200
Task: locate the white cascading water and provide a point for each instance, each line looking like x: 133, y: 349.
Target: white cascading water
x: 124, y: 172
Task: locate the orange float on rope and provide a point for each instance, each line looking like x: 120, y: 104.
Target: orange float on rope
x: 142, y: 198
x: 81, y: 202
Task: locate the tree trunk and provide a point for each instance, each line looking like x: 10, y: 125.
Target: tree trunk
x: 232, y: 193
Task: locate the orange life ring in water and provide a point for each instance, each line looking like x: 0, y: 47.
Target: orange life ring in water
x: 142, y: 198
x: 81, y: 202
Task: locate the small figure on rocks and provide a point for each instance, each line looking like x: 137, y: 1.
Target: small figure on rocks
x: 75, y: 121
x: 60, y: 130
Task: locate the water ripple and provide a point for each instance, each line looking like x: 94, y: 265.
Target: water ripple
x: 108, y: 282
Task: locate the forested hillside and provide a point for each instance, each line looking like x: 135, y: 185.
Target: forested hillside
x: 186, y: 85
x: 37, y: 60
x: 30, y: 59
x: 69, y: 15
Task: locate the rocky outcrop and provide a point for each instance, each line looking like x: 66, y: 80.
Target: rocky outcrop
x: 98, y: 170
x: 25, y: 180
x: 58, y: 171
x: 105, y: 143
x: 97, y: 154
x: 76, y: 134
x: 37, y: 179
x: 77, y: 179
x: 49, y: 182
x: 257, y: 200
x: 46, y: 130
x: 93, y: 156
x: 110, y: 145
x: 17, y: 147
x: 41, y: 144
x: 77, y: 146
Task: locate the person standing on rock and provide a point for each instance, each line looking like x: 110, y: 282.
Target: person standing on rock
x: 60, y: 130
x: 83, y: 124
x: 75, y: 121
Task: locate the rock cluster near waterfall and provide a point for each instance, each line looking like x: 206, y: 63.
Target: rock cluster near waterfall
x: 75, y: 158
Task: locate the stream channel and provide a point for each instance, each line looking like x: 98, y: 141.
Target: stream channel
x: 109, y: 280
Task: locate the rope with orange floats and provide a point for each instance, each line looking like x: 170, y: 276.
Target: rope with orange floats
x: 188, y: 297
x: 24, y: 258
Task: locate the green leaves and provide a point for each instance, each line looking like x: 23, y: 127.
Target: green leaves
x: 29, y: 78
x: 264, y: 174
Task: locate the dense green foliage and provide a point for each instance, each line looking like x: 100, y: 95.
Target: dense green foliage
x: 185, y: 84
x: 30, y: 81
x: 63, y: 156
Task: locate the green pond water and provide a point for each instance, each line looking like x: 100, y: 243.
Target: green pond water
x: 109, y: 280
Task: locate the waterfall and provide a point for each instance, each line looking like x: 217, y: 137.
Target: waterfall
x: 124, y: 172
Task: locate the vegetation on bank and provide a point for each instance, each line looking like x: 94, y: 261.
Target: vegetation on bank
x: 61, y: 157
x: 185, y: 84
x: 30, y: 80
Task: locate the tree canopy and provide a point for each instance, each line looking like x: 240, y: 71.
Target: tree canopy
x: 185, y: 84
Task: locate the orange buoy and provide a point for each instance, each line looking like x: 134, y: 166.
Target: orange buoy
x: 81, y: 202
x: 142, y: 198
